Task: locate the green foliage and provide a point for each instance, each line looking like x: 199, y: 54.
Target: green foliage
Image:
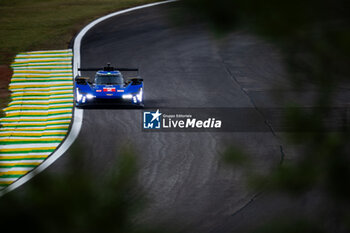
x: 314, y: 38
x: 289, y: 226
x: 77, y: 201
x: 235, y: 156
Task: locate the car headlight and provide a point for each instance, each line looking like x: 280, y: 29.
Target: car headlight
x: 139, y: 96
x: 127, y: 96
x: 82, y: 97
x: 79, y: 96
x: 135, y: 97
x: 89, y: 96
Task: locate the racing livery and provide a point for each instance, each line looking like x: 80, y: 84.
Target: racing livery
x: 108, y: 87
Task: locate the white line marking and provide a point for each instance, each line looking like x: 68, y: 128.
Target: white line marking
x: 48, y: 51
x: 78, y: 113
x: 38, y: 117
x: 27, y: 145
x: 31, y: 132
x: 23, y: 154
x: 16, y: 169
x: 7, y: 179
x: 26, y: 162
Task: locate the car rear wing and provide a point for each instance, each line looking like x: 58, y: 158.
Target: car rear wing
x: 104, y: 69
x: 109, y: 68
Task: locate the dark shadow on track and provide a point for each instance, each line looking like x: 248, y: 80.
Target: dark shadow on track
x: 110, y: 107
x: 150, y: 104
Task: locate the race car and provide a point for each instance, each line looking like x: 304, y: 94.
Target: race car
x: 109, y: 87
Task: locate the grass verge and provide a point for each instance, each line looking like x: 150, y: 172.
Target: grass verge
x: 48, y: 24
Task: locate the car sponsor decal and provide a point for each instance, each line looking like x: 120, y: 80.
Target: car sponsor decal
x: 109, y: 89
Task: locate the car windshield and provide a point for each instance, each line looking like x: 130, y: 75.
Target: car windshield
x: 111, y: 79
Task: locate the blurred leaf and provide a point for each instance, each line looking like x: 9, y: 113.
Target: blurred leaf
x: 235, y: 156
x: 76, y: 201
x: 289, y: 226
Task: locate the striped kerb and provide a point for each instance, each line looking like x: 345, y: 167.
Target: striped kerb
x: 39, y: 114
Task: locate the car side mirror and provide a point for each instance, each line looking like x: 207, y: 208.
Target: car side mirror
x: 82, y: 80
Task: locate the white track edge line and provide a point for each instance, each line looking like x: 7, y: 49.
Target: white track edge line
x: 78, y: 113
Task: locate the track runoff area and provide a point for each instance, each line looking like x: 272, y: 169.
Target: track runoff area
x: 38, y: 117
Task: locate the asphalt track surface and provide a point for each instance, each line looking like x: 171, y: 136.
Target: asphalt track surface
x: 185, y: 66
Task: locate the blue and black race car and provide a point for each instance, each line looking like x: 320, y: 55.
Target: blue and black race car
x: 108, y: 87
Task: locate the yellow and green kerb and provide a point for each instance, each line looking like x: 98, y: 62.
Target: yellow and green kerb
x: 38, y: 117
